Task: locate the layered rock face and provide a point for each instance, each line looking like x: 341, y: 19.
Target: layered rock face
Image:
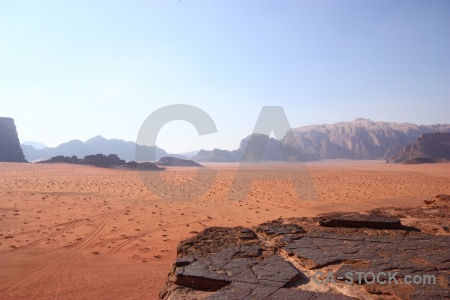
x: 429, y: 147
x: 10, y: 150
x: 357, y: 139
x: 320, y: 258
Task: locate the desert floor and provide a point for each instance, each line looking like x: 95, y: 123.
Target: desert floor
x: 80, y: 232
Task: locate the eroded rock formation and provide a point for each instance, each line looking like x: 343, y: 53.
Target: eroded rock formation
x: 281, y: 259
x: 429, y: 148
x: 10, y: 150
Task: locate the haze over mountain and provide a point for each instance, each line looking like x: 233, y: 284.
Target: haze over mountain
x: 357, y: 139
x: 36, y: 145
x: 96, y: 145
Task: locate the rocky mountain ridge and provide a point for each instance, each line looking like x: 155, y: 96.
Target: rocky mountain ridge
x: 357, y: 139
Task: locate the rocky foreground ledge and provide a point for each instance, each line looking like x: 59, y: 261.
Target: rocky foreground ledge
x: 293, y: 258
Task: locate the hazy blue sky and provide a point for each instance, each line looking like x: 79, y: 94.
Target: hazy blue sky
x: 76, y: 69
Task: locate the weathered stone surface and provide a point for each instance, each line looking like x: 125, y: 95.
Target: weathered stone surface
x: 357, y: 220
x: 10, y: 150
x: 285, y: 294
x: 268, y: 263
x: 275, y: 271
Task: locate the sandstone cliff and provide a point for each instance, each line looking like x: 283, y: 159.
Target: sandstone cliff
x: 428, y: 147
x: 10, y: 150
x: 357, y: 139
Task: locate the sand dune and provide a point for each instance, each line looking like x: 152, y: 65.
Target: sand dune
x: 71, y: 232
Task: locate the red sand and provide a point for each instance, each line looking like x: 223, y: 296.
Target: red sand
x: 70, y: 231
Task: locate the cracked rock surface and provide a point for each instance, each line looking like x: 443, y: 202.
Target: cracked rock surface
x: 281, y: 259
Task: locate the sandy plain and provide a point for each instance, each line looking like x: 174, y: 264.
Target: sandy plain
x: 81, y: 232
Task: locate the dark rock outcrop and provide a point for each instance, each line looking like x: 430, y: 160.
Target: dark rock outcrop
x: 176, y: 162
x: 428, y: 148
x: 10, y: 150
x: 420, y: 160
x: 104, y: 161
x: 278, y: 259
x: 233, y: 263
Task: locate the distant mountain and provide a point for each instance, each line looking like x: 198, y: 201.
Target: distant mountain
x: 253, y: 148
x: 357, y: 139
x: 96, y: 145
x: 188, y: 154
x: 36, y: 145
x: 428, y: 147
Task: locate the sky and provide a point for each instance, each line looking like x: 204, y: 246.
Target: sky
x: 77, y: 69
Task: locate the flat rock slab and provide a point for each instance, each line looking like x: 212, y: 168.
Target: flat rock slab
x: 220, y: 269
x: 239, y: 291
x: 355, y: 220
x: 276, y: 259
